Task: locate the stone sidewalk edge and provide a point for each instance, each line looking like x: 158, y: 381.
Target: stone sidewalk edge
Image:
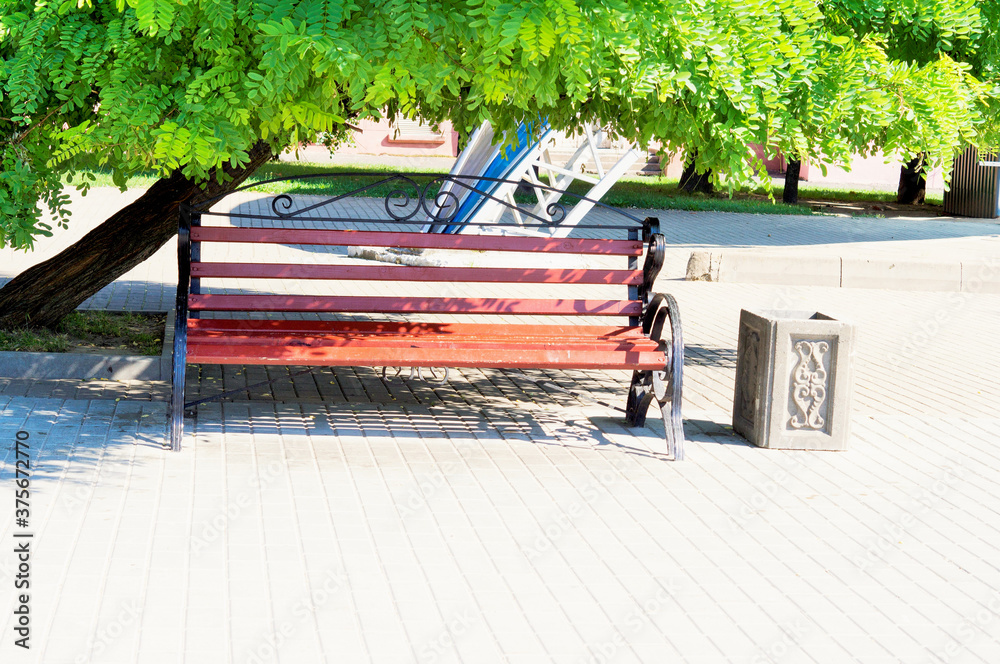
x: 784, y: 268
x: 16, y: 364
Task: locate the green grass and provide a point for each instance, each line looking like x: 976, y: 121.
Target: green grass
x: 663, y: 194
x: 809, y: 191
x: 629, y: 192
x: 279, y: 169
x: 332, y: 186
x: 847, y: 195
x: 130, y: 333
x: 34, y: 341
x: 632, y: 192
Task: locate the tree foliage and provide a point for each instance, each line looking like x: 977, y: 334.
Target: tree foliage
x: 945, y: 54
x: 191, y: 85
x: 828, y: 80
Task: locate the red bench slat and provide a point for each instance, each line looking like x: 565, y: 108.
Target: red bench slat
x: 414, y: 341
x: 357, y: 304
x: 403, y: 328
x: 417, y: 240
x: 411, y: 273
x: 417, y: 356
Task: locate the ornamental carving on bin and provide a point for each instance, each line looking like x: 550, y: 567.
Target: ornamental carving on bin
x: 809, y: 384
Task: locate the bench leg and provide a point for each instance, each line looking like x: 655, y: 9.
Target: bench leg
x: 664, y: 386
x: 640, y: 395
x: 176, y: 426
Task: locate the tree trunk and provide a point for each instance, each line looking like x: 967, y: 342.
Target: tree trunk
x: 43, y: 294
x: 790, y: 194
x: 912, y: 182
x: 692, y: 180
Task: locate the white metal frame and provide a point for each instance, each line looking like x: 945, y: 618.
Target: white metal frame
x: 560, y: 176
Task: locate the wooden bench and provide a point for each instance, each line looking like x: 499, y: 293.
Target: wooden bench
x: 644, y: 334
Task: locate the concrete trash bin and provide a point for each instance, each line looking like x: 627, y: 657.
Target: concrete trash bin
x: 793, y: 380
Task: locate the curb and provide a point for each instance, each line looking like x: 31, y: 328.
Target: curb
x: 15, y: 364
x: 976, y: 276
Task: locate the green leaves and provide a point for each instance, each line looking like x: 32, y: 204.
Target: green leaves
x: 136, y: 85
x: 154, y: 15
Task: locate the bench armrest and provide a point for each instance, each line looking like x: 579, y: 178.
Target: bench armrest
x: 661, y: 322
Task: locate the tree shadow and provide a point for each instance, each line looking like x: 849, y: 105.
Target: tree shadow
x: 709, y: 431
x: 69, y: 440
x: 709, y: 356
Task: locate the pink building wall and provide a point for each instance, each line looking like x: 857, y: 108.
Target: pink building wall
x: 871, y: 171
x: 382, y: 138
x: 865, y: 172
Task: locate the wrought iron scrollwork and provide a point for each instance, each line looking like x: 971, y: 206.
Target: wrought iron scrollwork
x: 656, y: 252
x: 650, y: 227
x: 285, y: 201
x: 557, y: 211
x: 446, y: 204
x: 421, y: 198
x: 418, y: 373
x: 400, y: 193
x: 664, y: 385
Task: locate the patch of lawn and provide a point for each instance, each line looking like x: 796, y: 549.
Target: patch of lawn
x: 657, y: 193
x: 335, y: 181
x: 325, y: 186
x: 633, y: 192
x: 92, y: 332
x: 34, y: 341
x: 847, y: 194
x: 643, y: 192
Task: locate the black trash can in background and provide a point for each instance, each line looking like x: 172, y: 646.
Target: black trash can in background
x: 975, y: 186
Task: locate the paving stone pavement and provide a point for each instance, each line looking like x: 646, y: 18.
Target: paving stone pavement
x: 336, y: 518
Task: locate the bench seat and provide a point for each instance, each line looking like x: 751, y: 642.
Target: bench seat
x: 346, y: 343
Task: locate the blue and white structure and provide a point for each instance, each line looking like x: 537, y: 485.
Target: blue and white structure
x: 483, y: 162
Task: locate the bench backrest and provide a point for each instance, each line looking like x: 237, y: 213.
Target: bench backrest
x: 193, y: 235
